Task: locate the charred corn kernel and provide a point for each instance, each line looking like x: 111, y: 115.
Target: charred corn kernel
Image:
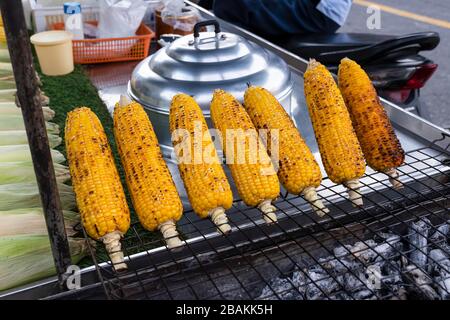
x: 96, y: 182
x: 250, y: 165
x: 376, y: 135
x: 298, y: 170
x: 153, y: 192
x: 339, y: 147
x: 205, y: 181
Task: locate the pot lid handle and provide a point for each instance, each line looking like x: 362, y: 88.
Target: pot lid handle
x: 202, y: 24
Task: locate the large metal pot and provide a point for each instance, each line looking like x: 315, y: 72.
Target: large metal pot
x: 198, y: 64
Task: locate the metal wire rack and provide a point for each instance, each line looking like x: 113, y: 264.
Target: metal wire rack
x: 395, y: 247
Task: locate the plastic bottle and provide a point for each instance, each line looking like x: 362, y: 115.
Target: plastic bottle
x: 73, y: 19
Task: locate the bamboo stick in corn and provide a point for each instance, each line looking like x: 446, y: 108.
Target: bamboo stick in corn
x: 298, y: 171
x: 339, y: 147
x: 251, y: 169
x: 205, y: 181
x: 380, y: 145
x: 153, y: 192
x: 96, y: 182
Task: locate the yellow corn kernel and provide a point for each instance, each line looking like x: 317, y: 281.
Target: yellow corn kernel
x: 380, y: 145
x: 204, y: 179
x: 149, y: 181
x: 96, y: 182
x: 339, y: 147
x: 298, y: 170
x: 255, y: 178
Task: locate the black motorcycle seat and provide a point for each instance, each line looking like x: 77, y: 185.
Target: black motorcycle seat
x: 331, y: 48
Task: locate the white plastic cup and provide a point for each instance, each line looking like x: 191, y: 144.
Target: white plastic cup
x: 54, y: 51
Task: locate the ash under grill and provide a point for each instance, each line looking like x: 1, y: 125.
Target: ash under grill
x: 395, y: 247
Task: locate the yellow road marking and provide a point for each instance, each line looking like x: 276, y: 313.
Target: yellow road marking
x: 405, y: 14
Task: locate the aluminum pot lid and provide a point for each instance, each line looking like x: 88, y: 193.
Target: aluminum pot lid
x: 199, y: 63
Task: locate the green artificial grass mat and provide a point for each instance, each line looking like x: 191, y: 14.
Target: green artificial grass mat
x: 75, y: 90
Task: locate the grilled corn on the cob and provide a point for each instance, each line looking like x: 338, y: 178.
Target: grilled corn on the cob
x: 379, y: 143
x: 298, y: 170
x: 96, y: 182
x: 204, y: 179
x: 251, y: 169
x: 149, y: 181
x: 339, y: 147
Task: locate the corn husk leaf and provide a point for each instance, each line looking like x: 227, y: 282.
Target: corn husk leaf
x: 6, y: 66
x: 15, y: 122
x: 20, y: 137
x: 7, y: 82
x: 27, y: 258
x: 32, y: 221
x: 4, y: 55
x: 8, y: 95
x: 10, y: 108
x: 6, y: 70
x: 21, y: 152
x: 26, y: 195
x: 16, y: 172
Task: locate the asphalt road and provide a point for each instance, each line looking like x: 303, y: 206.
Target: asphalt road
x: 436, y: 94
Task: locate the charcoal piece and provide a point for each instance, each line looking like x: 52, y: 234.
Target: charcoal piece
x: 418, y: 239
x: 341, y: 296
x: 441, y: 266
x: 374, y: 277
x: 391, y: 247
x: 339, y: 266
x: 355, y: 281
x: 342, y: 251
x: 320, y: 285
x: 439, y: 238
x: 369, y: 251
x: 419, y: 283
x: 299, y: 280
x: 364, y: 295
x: 391, y: 271
x: 279, y: 288
x: 399, y: 292
x: 441, y: 232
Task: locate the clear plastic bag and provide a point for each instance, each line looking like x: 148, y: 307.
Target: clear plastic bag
x: 174, y: 13
x: 120, y: 18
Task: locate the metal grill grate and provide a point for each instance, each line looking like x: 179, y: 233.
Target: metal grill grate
x: 386, y: 250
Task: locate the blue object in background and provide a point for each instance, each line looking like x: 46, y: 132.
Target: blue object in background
x: 282, y: 17
x: 72, y: 7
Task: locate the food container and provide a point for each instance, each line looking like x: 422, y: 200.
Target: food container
x: 150, y: 13
x: 54, y: 51
x: 183, y: 24
x: 198, y: 64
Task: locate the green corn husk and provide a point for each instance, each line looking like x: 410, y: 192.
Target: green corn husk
x: 26, y: 195
x: 6, y: 66
x: 8, y: 138
x: 27, y: 258
x: 17, y: 172
x: 15, y: 122
x: 21, y: 152
x: 32, y: 221
x: 8, y: 95
x: 4, y: 55
x: 6, y: 70
x: 10, y: 108
x: 52, y: 128
x: 7, y: 82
